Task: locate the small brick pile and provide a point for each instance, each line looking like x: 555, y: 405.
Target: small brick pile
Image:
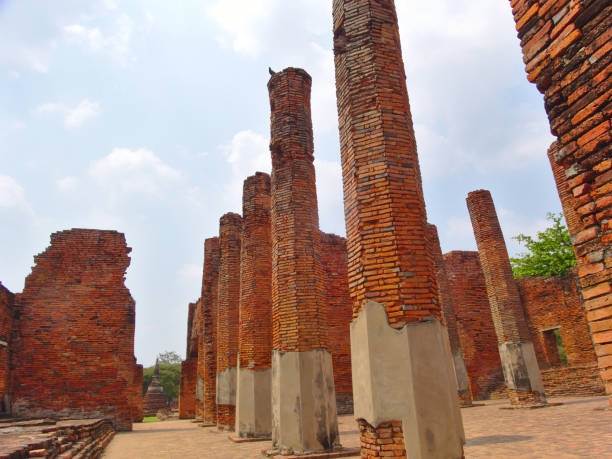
x: 7, y: 300
x: 255, y: 327
x: 298, y: 310
x: 474, y: 323
x: 387, y: 440
x: 230, y: 229
x: 207, y: 363
x: 82, y: 439
x: 339, y: 315
x: 567, y: 51
x: 389, y: 260
x: 73, y: 339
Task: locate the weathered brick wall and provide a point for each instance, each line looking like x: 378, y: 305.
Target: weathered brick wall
x: 73, y: 341
x: 230, y: 229
x: 7, y: 300
x: 572, y: 218
x: 339, y: 315
x: 255, y: 346
x: 576, y: 380
x: 566, y: 48
x: 389, y: 260
x: 474, y: 323
x: 298, y: 312
x: 136, y: 395
x: 207, y: 361
x: 200, y: 366
x: 187, y: 388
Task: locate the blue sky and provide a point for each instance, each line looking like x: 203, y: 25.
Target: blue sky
x: 146, y: 116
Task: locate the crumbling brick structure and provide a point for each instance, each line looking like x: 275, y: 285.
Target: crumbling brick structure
x: 474, y: 323
x: 566, y: 48
x: 207, y: 361
x: 136, y: 393
x: 187, y: 387
x: 73, y: 338
x: 7, y: 300
x: 301, y: 360
x: 449, y: 318
x: 200, y: 365
x: 389, y: 260
x: 517, y: 354
x: 154, y: 399
x: 339, y: 315
x: 253, y: 402
x: 230, y: 229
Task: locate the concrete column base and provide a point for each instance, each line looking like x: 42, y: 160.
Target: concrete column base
x: 407, y: 375
x: 304, y: 416
x: 522, y: 373
x: 254, y: 403
x: 461, y: 376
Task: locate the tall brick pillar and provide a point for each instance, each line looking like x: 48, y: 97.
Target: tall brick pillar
x: 230, y: 229
x: 253, y: 402
x: 516, y: 351
x: 208, y: 356
x: 450, y: 319
x: 303, y: 401
x: 399, y: 349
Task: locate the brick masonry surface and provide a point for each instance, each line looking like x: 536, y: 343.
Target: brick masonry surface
x: 255, y: 341
x: 207, y: 361
x: 7, y: 300
x: 136, y: 395
x: 474, y: 323
x: 73, y: 341
x: 566, y: 48
x: 298, y: 311
x: 230, y: 229
x: 389, y: 256
x: 189, y: 367
x: 339, y: 315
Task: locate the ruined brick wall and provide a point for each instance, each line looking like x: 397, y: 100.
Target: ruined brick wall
x: 298, y: 313
x: 255, y: 347
x: 187, y: 388
x: 566, y: 48
x: 73, y: 341
x: 200, y: 365
x: 207, y: 361
x: 572, y: 218
x: 339, y: 316
x: 137, y: 395
x: 230, y: 229
x: 7, y: 300
x: 474, y: 323
x: 576, y: 380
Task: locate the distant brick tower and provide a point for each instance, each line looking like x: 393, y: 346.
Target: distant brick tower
x: 302, y: 375
x: 396, y: 325
x: 154, y: 399
x: 253, y: 403
x: 516, y: 351
x: 208, y: 355
x: 230, y: 228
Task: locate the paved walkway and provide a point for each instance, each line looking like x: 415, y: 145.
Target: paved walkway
x: 578, y: 428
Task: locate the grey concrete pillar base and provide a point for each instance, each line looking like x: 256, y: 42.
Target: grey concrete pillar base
x: 461, y: 376
x: 521, y: 369
x: 226, y: 387
x: 254, y: 403
x: 304, y: 416
x: 407, y: 375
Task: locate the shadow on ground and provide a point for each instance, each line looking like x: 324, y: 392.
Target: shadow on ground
x: 492, y: 439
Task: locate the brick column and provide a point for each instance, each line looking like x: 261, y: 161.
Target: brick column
x: 303, y: 400
x: 208, y: 357
x: 566, y: 53
x: 187, y: 385
x: 200, y: 367
x: 253, y: 403
x: 390, y: 267
x: 516, y: 351
x: 450, y: 319
x: 230, y: 228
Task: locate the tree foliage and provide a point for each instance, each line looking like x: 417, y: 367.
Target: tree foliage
x: 169, y: 374
x: 550, y: 253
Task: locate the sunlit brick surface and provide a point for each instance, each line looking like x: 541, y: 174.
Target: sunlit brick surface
x: 207, y: 363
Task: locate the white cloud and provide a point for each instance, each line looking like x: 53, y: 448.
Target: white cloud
x: 67, y: 184
x: 124, y: 170
x: 74, y: 117
x: 12, y: 195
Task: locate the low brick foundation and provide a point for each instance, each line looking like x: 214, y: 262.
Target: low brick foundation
x: 578, y: 380
x: 386, y: 440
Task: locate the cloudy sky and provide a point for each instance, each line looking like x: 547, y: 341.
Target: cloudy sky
x: 146, y: 116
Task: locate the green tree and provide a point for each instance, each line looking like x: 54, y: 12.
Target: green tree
x: 169, y: 374
x: 550, y: 253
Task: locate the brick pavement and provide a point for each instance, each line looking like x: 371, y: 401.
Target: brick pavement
x: 574, y: 429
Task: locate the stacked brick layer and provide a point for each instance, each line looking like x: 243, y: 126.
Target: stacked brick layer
x: 576, y: 380
x: 136, y: 393
x: 386, y: 440
x: 474, y: 323
x: 197, y: 354
x: 207, y: 361
x: 255, y: 343
x: 566, y: 48
x: 230, y: 229
x: 7, y: 300
x: 298, y: 312
x: 339, y: 315
x: 187, y: 388
x: 73, y: 344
